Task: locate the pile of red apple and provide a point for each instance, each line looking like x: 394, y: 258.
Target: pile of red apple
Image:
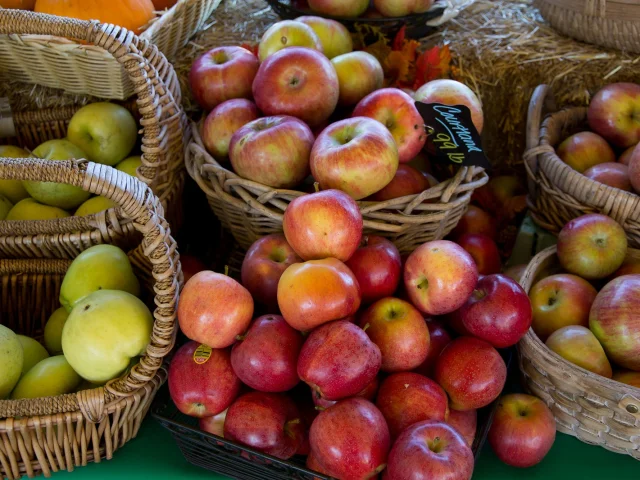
x: 609, y: 153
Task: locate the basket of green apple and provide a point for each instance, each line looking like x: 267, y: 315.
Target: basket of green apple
x: 85, y: 394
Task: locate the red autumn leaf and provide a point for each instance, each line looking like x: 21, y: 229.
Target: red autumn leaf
x: 432, y: 64
x: 398, y: 41
x: 252, y: 48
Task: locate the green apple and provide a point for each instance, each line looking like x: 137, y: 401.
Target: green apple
x: 11, y: 359
x: 52, y: 376
x: 104, y: 332
x: 29, y: 209
x: 94, y: 205
x: 5, y: 206
x: 106, y: 131
x: 101, y: 267
x: 13, y: 189
x: 33, y: 351
x: 53, y: 331
x: 130, y: 165
x: 57, y: 194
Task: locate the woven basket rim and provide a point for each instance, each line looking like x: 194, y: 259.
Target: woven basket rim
x: 599, y: 8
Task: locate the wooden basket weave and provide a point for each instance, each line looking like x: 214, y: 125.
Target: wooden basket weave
x: 558, y: 193
x: 595, y: 409
x: 609, y: 23
x: 54, y: 60
x: 251, y: 210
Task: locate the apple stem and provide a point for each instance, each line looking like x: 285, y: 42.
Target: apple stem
x: 320, y: 409
x: 226, y: 270
x: 379, y: 469
x: 316, y: 186
x: 295, y: 421
x: 365, y: 327
x: 240, y: 337
x: 365, y: 240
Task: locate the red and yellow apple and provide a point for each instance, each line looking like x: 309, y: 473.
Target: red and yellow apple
x: 483, y: 250
x: 627, y: 377
x: 223, y: 121
x: 634, y: 169
x: 579, y: 346
x: 613, y: 174
x: 583, y: 150
x: 406, y: 181
x: 625, y: 158
x: 475, y: 220
x: 334, y: 36
x: 359, y: 74
x: 402, y: 8
x: 614, y: 113
x: 339, y: 8
x: 284, y: 34
x: 627, y: 268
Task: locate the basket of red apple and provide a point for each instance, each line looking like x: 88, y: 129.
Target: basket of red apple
x: 584, y: 159
x: 582, y: 355
x: 328, y: 346
x: 82, y: 340
x: 252, y: 166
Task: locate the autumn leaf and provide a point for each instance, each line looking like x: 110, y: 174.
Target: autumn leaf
x: 432, y: 64
x: 397, y: 68
x: 380, y: 50
x: 398, y: 42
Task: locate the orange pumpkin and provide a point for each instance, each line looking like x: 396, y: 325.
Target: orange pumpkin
x: 130, y: 14
x: 162, y: 4
x: 21, y: 4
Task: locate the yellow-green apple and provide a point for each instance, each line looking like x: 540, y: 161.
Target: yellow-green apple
x: 583, y: 150
x: 263, y: 265
x: 625, y: 158
x: 430, y: 449
x: 5, y: 207
x: 13, y: 189
x: 273, y: 151
x: 48, y: 378
x: 634, y: 169
x: 483, y: 250
x: 579, y: 345
x: 323, y: 224
x: 627, y: 268
x: 407, y: 398
x: 615, y: 320
x: 523, y: 430
x: 592, y: 246
x: 334, y: 36
x: 338, y: 360
x: 472, y: 373
x: 465, y: 423
x: 12, y: 357
x: 287, y: 33
x: 359, y: 74
x: 130, y: 165
x: 559, y: 301
x: 396, y: 111
x: 402, y: 8
x: 406, y: 181
x: 439, y: 277
x: 516, y: 271
x: 613, y: 174
x: 627, y: 377
x: 350, y: 439
x: 94, y: 205
x: 53, y: 331
x: 29, y: 209
x: 106, y: 132
x: 317, y: 292
x: 339, y: 8
x: 221, y: 74
x: 438, y: 339
x: 201, y: 380
x: 400, y: 332
x: 297, y: 81
x: 357, y: 155
x: 225, y: 120
x: 33, y: 352
x: 213, y: 424
x: 265, y: 358
x: 614, y: 113
x: 190, y: 266
x: 267, y: 422
x: 378, y: 268
x: 452, y: 92
x: 498, y: 311
x: 214, y: 309
x: 475, y: 220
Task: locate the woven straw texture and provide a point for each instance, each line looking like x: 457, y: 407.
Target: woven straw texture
x: 52, y: 59
x: 558, y: 193
x: 165, y: 132
x: 251, y: 210
x: 592, y: 408
x: 610, y: 23
x: 45, y: 435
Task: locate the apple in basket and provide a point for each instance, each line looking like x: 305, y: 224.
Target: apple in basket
x: 613, y: 174
x: 339, y: 8
x: 359, y: 74
x: 584, y: 150
x: 284, y: 34
x: 465, y: 423
x: 407, y: 181
x: 334, y: 36
x: 614, y: 113
x: 578, y: 345
x: 634, y: 170
x: 223, y: 121
x: 625, y: 158
x: 475, y: 220
x: 402, y: 8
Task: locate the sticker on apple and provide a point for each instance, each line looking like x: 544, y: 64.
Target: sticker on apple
x: 202, y: 354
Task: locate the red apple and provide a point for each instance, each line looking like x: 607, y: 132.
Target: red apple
x: 498, y: 311
x: 472, y: 373
x: 439, y: 338
x: 266, y: 357
x: 214, y: 424
x: 465, y: 424
x: 334, y: 36
x: 368, y: 393
x: 400, y: 332
x: 439, y: 277
x: 263, y: 265
x: 559, y: 301
x: 284, y: 34
x: 359, y: 74
x: 634, y: 169
x: 612, y: 174
x: 190, y: 266
x: 592, y: 246
x: 402, y: 8
x: 273, y: 151
x: 323, y: 224
x: 297, y: 81
x: 579, y: 346
x: 615, y: 320
x: 614, y: 113
x: 627, y: 269
x: 516, y: 271
x: 430, y: 450
x: 214, y: 309
x: 313, y: 464
x: 475, y: 220
x: 350, y: 439
x: 357, y: 155
x: 483, y: 250
x: 201, y: 380
x: 267, y: 422
x: 338, y: 360
x: 625, y: 158
x: 628, y: 378
x: 222, y: 74
x: 495, y: 195
x: 223, y: 121
x: 406, y: 181
x: 523, y: 430
x: 584, y: 150
x: 397, y: 111
x: 377, y: 266
x: 317, y: 292
x: 339, y: 8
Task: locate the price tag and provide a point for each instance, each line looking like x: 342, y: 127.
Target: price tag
x: 202, y: 354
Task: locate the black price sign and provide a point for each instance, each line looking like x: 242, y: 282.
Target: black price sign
x: 451, y: 135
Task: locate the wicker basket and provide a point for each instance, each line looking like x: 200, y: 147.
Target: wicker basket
x: 609, y: 23
x: 51, y: 59
x: 251, y: 210
x: 558, y: 193
x: 45, y: 435
x: 593, y: 408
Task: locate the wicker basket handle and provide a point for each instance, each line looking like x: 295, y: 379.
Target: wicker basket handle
x: 542, y: 102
